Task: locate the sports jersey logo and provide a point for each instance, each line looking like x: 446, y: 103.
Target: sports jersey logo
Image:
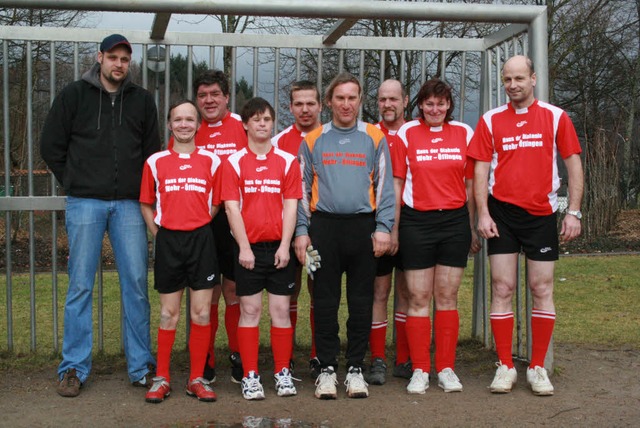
x: 261, y: 168
x: 437, y: 140
x: 293, y: 284
x: 545, y: 250
x: 521, y: 123
x: 344, y: 141
x: 183, y: 167
x: 211, y: 277
x: 215, y: 134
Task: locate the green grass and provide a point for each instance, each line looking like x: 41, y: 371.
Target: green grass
x: 597, y: 299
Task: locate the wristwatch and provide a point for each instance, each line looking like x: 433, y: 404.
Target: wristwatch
x: 577, y: 214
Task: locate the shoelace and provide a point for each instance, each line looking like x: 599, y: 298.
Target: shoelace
x: 253, y: 384
x: 356, y: 380
x: 157, y: 384
x: 321, y: 378
x: 204, y: 382
x: 451, y: 376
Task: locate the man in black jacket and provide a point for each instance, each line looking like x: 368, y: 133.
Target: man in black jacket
x: 97, y: 135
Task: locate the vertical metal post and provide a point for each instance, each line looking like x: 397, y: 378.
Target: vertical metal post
x: 190, y: 94
x: 319, y: 75
x: 255, y: 72
x: 340, y: 60
x: 423, y: 67
x: 7, y: 190
x: 232, y: 78
x: 32, y: 244
x: 276, y: 83
x: 463, y: 84
x: 54, y: 216
x: 297, y: 64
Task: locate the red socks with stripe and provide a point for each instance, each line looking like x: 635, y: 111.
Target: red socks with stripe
x: 402, y: 345
x: 502, y: 328
x: 447, y: 326
x: 378, y: 338
x: 542, y: 323
x: 419, y: 338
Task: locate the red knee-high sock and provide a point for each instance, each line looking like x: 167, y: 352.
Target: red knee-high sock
x: 293, y: 314
x: 313, y: 334
x: 447, y: 325
x: 542, y: 323
x: 377, y: 339
x: 419, y: 338
x: 213, y: 315
x: 165, y: 345
x: 281, y: 347
x: 402, y: 345
x: 248, y: 343
x: 198, y: 348
x: 502, y: 327
x: 231, y: 319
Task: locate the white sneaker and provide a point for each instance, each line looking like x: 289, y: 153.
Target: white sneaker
x: 284, y: 383
x: 504, y: 379
x: 539, y: 381
x: 252, y: 387
x: 448, y: 381
x: 326, y: 384
x: 419, y: 382
x: 356, y: 386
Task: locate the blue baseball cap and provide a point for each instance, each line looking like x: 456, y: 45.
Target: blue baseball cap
x: 114, y: 40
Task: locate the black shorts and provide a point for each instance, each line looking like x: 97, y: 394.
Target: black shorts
x: 264, y: 275
x: 224, y: 244
x: 519, y: 230
x: 185, y: 259
x: 440, y: 237
x: 387, y: 263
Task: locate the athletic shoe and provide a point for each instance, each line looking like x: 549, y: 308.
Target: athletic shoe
x: 403, y: 370
x: 419, y: 382
x: 539, y: 381
x: 158, y: 391
x: 147, y: 380
x: 236, y: 367
x: 70, y: 384
x: 314, y: 368
x: 326, y: 384
x: 284, y: 383
x: 200, y: 389
x: 356, y: 386
x: 209, y: 373
x: 504, y: 379
x: 251, y: 387
x: 377, y: 372
x: 448, y: 381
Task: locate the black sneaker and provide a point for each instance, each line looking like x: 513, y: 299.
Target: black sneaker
x: 237, y: 373
x: 377, y: 372
x: 403, y: 370
x: 209, y: 372
x: 69, y: 385
x: 146, y: 381
x: 314, y: 368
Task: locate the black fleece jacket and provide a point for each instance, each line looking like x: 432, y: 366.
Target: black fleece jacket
x: 96, y: 145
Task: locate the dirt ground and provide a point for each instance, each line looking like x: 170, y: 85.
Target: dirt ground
x: 594, y: 387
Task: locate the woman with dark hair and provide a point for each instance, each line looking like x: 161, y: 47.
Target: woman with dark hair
x: 435, y: 210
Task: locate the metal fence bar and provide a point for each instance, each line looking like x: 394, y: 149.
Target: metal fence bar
x: 7, y: 191
x: 54, y: 217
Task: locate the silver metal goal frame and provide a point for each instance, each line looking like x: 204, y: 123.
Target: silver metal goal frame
x: 525, y: 32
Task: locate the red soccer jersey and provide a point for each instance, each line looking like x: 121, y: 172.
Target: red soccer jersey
x: 261, y: 183
x: 433, y: 162
x: 183, y: 187
x: 390, y: 135
x: 289, y: 140
x: 522, y: 146
x: 222, y: 138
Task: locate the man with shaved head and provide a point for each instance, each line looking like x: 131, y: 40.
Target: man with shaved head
x: 515, y: 185
x: 392, y: 102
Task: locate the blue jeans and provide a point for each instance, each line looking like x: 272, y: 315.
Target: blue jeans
x: 87, y: 220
